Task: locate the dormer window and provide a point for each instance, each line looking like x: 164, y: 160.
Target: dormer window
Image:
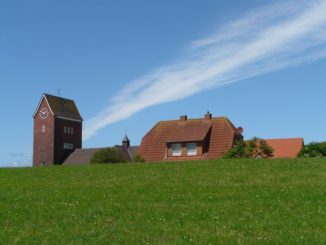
x: 191, y: 149
x: 176, y: 150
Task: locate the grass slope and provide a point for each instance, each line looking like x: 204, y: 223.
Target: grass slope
x: 210, y: 202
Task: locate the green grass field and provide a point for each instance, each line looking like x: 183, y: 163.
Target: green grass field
x: 210, y: 202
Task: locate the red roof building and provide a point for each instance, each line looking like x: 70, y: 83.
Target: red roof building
x: 286, y: 148
x: 189, y: 139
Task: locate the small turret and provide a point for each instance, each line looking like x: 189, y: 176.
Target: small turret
x: 126, y: 142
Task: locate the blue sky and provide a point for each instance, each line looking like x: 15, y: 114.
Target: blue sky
x: 129, y: 64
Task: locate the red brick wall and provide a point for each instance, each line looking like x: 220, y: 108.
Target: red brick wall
x: 43, y: 145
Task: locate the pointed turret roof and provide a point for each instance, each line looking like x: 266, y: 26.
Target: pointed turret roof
x: 125, y: 139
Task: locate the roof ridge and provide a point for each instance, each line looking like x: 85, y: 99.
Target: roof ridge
x: 193, y: 119
x: 59, y: 97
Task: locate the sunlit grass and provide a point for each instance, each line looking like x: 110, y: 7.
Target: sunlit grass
x: 209, y: 202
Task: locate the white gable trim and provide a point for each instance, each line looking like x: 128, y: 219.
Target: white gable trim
x: 70, y: 119
x: 39, y: 104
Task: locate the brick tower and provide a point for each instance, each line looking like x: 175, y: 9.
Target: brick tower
x: 57, y: 130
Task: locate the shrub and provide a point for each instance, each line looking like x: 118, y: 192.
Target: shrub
x: 138, y: 158
x: 108, y: 155
x: 237, y: 151
x: 314, y: 149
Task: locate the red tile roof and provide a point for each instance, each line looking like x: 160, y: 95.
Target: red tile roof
x: 286, y: 148
x: 189, y: 131
x: 220, y: 132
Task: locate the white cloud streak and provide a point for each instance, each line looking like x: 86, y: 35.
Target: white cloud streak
x: 266, y: 39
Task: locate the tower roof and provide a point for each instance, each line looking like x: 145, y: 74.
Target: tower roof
x: 125, y: 139
x: 61, y: 107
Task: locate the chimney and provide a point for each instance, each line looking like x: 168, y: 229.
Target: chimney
x: 240, y: 130
x: 183, y: 118
x: 208, y: 116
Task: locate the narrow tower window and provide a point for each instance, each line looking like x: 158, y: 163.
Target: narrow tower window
x: 43, y: 128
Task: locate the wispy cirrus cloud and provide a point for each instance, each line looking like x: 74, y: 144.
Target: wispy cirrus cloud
x: 268, y: 38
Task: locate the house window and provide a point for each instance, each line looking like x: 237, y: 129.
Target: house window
x: 191, y: 149
x: 65, y: 130
x: 71, y: 130
x: 176, y: 150
x: 68, y: 146
x: 43, y: 128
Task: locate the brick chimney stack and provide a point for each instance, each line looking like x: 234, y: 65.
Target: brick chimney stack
x: 183, y: 118
x: 208, y: 116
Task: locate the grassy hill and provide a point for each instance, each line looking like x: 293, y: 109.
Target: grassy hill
x: 210, y: 202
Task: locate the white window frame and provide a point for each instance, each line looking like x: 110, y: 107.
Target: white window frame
x: 43, y: 128
x: 176, y: 149
x: 192, y: 149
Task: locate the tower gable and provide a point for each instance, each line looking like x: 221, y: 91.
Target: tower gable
x: 42, y: 104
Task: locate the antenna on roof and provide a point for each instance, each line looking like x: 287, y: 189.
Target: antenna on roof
x: 59, y: 92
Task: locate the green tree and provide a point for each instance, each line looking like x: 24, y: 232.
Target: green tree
x: 108, y: 155
x: 265, y: 149
x: 250, y: 149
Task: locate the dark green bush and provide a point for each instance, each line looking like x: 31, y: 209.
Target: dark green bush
x: 314, y: 149
x: 238, y: 150
x: 108, y: 155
